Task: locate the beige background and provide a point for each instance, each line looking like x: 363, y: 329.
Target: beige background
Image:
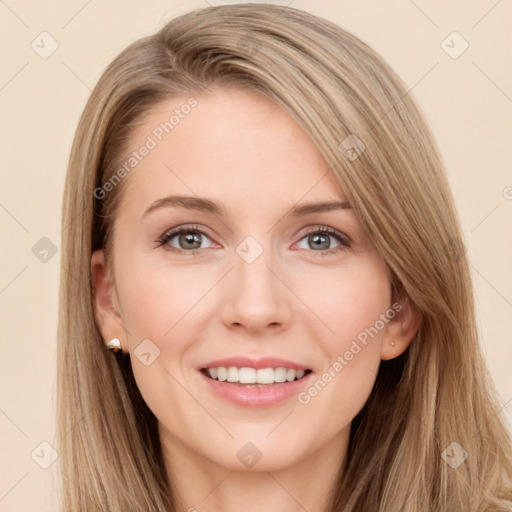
x: 467, y: 101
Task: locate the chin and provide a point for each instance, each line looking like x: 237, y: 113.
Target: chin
x: 257, y: 455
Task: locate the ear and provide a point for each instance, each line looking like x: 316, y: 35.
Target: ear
x: 107, y: 316
x: 401, y: 329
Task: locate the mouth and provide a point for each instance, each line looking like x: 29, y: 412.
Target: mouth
x: 249, y: 377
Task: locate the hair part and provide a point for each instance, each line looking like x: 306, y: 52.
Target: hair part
x: 334, y: 86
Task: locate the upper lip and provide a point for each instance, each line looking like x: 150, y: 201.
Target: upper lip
x: 262, y: 362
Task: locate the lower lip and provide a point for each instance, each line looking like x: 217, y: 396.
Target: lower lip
x: 264, y: 396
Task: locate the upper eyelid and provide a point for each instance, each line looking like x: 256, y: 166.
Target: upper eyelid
x: 321, y: 228
x: 180, y: 229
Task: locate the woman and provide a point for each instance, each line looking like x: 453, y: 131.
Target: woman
x: 315, y: 347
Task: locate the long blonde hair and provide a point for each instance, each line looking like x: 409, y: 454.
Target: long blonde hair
x: 434, y: 395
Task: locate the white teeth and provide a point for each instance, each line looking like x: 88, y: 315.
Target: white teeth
x: 280, y: 375
x: 232, y: 374
x: 246, y: 375
x: 221, y: 373
x: 265, y: 376
x: 290, y: 375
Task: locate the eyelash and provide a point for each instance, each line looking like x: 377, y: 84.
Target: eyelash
x: 344, y: 243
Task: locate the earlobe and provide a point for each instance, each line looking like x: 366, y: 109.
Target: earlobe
x: 401, y: 330
x: 107, y: 316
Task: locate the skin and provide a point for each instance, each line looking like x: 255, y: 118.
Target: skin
x: 240, y: 149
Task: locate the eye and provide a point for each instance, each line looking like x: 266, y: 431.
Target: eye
x: 189, y: 239
x: 319, y: 240
x: 185, y: 239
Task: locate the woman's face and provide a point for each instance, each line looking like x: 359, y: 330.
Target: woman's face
x: 249, y: 279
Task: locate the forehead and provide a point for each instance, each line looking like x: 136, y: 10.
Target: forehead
x: 232, y: 144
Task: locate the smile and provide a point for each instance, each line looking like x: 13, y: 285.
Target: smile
x: 249, y: 387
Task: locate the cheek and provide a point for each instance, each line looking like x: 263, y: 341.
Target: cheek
x: 347, y: 302
x: 158, y: 305
x: 157, y: 300
x: 353, y: 306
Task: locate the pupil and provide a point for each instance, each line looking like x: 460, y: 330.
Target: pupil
x: 317, y: 241
x: 190, y: 238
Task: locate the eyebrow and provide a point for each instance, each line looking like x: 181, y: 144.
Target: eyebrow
x: 209, y: 206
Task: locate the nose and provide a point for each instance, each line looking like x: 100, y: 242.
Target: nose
x: 255, y: 297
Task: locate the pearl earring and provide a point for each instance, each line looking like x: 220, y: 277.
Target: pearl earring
x: 114, y: 345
